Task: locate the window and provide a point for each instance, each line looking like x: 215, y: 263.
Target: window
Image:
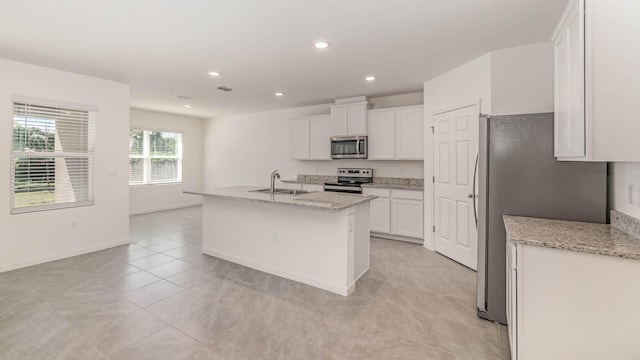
x: 155, y: 157
x: 51, y: 157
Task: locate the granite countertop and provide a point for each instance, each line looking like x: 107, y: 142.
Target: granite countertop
x: 593, y: 238
x: 316, y: 200
x: 383, y: 183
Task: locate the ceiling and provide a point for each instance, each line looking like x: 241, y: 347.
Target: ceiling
x: 166, y: 47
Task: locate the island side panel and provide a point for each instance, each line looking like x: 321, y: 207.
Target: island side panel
x: 301, y: 244
x: 362, y: 240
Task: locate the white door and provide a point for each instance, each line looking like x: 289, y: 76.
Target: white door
x: 410, y: 134
x: 455, y: 148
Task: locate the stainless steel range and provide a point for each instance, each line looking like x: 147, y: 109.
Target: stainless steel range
x: 350, y: 180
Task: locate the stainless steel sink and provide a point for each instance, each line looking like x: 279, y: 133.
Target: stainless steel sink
x: 280, y: 191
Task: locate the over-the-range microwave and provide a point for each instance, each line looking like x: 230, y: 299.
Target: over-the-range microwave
x: 349, y: 147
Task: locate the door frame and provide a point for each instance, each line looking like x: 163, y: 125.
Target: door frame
x: 430, y: 213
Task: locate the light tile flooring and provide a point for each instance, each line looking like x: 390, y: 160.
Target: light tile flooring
x: 159, y: 298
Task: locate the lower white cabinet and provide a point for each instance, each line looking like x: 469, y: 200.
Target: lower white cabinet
x: 406, y: 217
x: 379, y: 218
x: 571, y: 305
x: 397, y: 214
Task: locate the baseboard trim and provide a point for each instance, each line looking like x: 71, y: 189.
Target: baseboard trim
x: 61, y: 255
x: 165, y: 208
x: 340, y: 290
x: 396, y: 237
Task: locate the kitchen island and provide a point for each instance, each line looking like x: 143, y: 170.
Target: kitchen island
x: 320, y: 238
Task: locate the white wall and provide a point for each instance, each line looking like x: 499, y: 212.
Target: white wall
x: 33, y: 238
x: 469, y: 83
x: 625, y: 175
x: 244, y: 149
x: 149, y: 198
x: 522, y: 80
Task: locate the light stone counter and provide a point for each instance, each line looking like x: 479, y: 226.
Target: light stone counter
x: 600, y: 239
x: 378, y: 182
x: 318, y: 200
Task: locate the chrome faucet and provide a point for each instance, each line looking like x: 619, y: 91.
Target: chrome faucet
x: 274, y: 175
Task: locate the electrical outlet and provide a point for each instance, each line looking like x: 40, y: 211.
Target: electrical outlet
x: 74, y: 224
x: 630, y: 194
x: 274, y: 237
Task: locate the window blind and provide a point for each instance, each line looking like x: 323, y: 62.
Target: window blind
x: 52, y: 157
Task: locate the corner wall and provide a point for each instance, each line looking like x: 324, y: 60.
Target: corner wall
x: 158, y: 197
x: 38, y: 237
x: 469, y: 83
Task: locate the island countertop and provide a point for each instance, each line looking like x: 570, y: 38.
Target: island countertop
x: 600, y: 239
x: 316, y: 200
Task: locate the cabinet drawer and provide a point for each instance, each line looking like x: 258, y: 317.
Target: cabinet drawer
x: 407, y: 194
x: 376, y: 192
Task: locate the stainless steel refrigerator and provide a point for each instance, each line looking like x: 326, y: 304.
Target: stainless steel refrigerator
x: 518, y: 175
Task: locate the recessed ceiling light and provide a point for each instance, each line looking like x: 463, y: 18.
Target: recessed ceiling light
x: 214, y: 73
x: 321, y: 44
x: 370, y: 78
x: 278, y: 93
x: 187, y: 105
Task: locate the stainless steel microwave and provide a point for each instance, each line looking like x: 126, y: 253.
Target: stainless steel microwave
x: 349, y: 147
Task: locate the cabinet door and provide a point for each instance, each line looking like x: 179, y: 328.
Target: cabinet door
x: 406, y: 218
x: 381, y: 135
x: 357, y: 115
x: 409, y: 134
x: 340, y: 117
x: 300, y: 138
x: 321, y: 128
x: 380, y: 215
x: 569, y: 84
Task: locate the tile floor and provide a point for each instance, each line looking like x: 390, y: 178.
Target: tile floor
x: 159, y: 298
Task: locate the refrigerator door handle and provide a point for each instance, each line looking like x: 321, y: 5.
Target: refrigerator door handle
x: 474, y: 195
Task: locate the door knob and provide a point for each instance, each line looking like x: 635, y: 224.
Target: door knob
x: 470, y: 196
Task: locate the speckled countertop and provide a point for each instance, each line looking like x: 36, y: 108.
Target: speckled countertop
x: 317, y: 200
x: 600, y: 239
x: 382, y: 182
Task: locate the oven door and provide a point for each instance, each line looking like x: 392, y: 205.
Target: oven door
x: 349, y: 147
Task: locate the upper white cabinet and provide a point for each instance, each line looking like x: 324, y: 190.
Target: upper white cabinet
x: 396, y: 133
x: 597, y: 81
x: 320, y: 128
x: 349, y: 119
x: 300, y: 138
x: 410, y: 133
x: 310, y: 138
x: 381, y: 139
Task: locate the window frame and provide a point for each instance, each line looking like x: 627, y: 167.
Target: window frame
x: 92, y: 114
x: 147, y: 158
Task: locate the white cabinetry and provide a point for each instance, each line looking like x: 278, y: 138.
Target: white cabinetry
x: 406, y: 213
x: 410, y: 133
x: 349, y: 119
x: 310, y: 138
x: 381, y: 141
x: 597, y: 81
x: 396, y: 214
x: 569, y: 305
x: 300, y: 138
x: 396, y: 133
